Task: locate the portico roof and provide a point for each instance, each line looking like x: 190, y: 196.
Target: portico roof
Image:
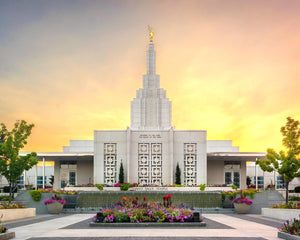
x: 52, y: 156
x: 235, y: 156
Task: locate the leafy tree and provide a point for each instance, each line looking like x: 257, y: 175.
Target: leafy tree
x: 121, y: 173
x: 286, y: 163
x: 11, y: 164
x: 178, y: 175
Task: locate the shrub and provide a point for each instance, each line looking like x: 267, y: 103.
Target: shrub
x: 36, y: 194
x: 297, y: 189
x: 99, y: 186
x: 125, y: 186
x: 6, y: 189
x: 202, y: 187
x: 224, y: 195
x: 294, y: 198
x: 4, y: 198
x: 234, y: 187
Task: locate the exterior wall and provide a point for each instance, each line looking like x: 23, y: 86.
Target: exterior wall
x: 221, y: 146
x: 80, y: 146
x: 101, y: 137
x: 198, y: 137
x: 162, y: 137
x: 215, y: 172
x: 85, y: 172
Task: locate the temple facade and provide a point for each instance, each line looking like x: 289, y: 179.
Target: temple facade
x: 150, y: 148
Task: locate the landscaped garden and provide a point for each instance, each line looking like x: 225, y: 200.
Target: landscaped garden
x: 143, y: 211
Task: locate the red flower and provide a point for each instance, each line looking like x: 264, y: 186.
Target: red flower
x: 165, y: 197
x: 169, y: 195
x: 137, y: 198
x: 144, y: 198
x: 124, y: 198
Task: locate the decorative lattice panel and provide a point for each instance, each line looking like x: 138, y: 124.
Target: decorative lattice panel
x: 150, y: 163
x: 110, y: 163
x: 190, y: 163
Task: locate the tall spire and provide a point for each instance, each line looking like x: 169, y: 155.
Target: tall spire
x: 151, y: 110
x: 151, y: 55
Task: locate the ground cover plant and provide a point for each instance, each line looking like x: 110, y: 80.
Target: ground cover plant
x: 130, y: 210
x: 291, y: 227
x: 12, y: 205
x: 289, y: 205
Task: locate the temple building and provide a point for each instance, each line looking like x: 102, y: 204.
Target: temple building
x: 150, y: 148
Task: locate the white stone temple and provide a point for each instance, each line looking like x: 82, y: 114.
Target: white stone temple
x: 150, y: 148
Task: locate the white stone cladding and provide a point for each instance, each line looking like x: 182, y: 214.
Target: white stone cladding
x: 172, y: 144
x: 151, y: 110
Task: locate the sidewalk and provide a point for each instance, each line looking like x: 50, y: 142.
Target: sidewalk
x: 72, y: 227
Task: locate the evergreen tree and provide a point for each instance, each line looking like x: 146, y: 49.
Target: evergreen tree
x: 121, y: 173
x: 178, y: 175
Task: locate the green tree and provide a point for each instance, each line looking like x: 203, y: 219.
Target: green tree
x: 11, y: 164
x: 177, y: 175
x: 121, y: 173
x: 286, y: 163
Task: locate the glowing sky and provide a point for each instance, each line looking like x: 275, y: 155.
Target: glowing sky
x: 229, y: 67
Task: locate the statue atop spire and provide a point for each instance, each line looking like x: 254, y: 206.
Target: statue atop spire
x: 151, y: 33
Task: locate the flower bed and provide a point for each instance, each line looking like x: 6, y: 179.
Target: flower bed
x: 131, y: 211
x: 290, y: 230
x: 13, y: 205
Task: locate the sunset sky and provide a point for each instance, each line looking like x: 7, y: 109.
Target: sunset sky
x: 229, y: 67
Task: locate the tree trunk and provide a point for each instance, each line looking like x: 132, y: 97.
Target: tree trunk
x: 10, y: 191
x: 287, y: 193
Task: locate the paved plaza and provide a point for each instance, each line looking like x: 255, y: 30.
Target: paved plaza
x: 76, y: 226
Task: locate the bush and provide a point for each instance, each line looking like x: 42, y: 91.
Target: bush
x: 6, y: 189
x: 5, y: 198
x: 125, y: 186
x: 297, y: 189
x: 99, y: 186
x: 234, y: 187
x: 202, y: 187
x: 35, y: 194
x: 294, y: 198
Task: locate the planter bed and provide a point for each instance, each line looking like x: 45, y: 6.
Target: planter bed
x: 150, y: 224
x: 287, y: 236
x: 280, y: 213
x: 7, y: 235
x: 17, y: 213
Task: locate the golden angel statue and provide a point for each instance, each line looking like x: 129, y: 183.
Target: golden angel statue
x: 151, y: 33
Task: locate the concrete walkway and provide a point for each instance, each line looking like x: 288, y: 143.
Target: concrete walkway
x: 72, y: 227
